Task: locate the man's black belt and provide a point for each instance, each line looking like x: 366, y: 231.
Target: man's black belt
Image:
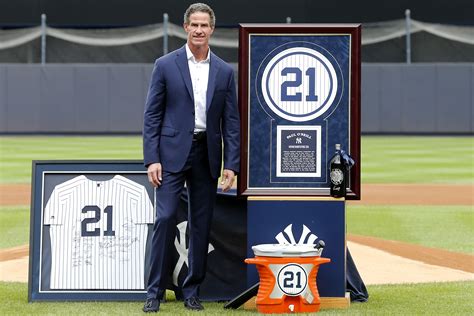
x: 199, y: 136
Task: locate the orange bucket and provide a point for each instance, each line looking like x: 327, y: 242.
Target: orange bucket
x: 287, y: 278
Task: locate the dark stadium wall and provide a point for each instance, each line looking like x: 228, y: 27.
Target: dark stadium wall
x: 109, y: 98
x: 114, y: 13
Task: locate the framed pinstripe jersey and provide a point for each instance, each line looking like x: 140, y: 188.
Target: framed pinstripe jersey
x: 91, y: 221
x: 299, y: 96
x: 98, y: 232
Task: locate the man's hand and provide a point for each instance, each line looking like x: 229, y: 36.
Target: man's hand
x: 227, y: 179
x: 154, y: 174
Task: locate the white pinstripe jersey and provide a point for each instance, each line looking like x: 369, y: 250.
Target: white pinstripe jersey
x: 98, y: 233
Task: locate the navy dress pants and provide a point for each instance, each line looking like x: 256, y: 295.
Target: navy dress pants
x: 201, y: 187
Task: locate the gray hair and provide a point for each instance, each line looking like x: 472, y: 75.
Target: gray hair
x: 200, y: 7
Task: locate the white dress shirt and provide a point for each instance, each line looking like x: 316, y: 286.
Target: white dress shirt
x: 199, y: 71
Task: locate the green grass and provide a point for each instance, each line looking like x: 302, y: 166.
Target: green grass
x: 405, y: 159
x: 453, y: 298
x: 14, y: 226
x: 388, y: 159
x: 447, y: 160
x: 446, y: 227
x: 16, y: 153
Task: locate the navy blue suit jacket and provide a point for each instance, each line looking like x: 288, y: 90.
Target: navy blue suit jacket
x: 169, y: 115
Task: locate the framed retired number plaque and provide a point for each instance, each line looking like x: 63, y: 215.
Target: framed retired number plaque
x: 299, y: 95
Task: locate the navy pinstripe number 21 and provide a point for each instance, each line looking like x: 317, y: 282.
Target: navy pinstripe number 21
x: 310, y: 73
x: 92, y: 220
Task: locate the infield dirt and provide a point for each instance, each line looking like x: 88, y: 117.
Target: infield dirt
x: 383, y: 194
x: 378, y: 260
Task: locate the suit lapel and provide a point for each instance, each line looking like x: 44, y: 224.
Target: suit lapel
x: 182, y: 62
x: 211, y: 83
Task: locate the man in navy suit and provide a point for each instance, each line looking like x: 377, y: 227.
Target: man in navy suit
x: 190, y: 113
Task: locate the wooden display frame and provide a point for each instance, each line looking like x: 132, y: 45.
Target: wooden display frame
x: 296, y: 32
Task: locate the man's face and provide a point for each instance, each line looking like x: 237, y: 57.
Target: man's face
x: 199, y: 29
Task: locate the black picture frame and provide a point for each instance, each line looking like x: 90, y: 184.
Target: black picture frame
x: 47, y: 173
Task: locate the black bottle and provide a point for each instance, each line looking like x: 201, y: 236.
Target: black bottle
x: 337, y: 172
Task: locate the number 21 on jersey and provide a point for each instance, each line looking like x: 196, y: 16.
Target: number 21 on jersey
x: 89, y: 221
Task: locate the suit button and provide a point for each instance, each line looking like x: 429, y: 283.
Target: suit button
x: 192, y: 112
x: 191, y: 132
